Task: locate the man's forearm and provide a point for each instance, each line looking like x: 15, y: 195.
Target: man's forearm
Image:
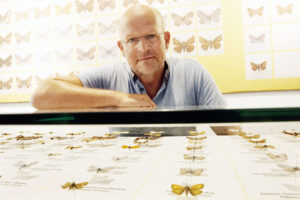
x: 59, y: 94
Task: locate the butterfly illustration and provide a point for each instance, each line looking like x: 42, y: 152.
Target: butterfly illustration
x: 81, y: 7
x: 264, y: 146
x: 6, y: 39
x: 21, y: 15
x: 210, y: 44
x: 75, y: 133
x: 112, y: 28
x: 253, y: 12
x: 64, y: 32
x: 93, y: 168
x: 184, y: 46
x: 257, y: 39
x: 72, y: 147
x: 106, y: 3
x: 189, y: 157
x: 22, y: 38
x: 73, y: 185
x: 186, y: 19
x: 63, y: 10
x: 24, y: 83
x: 89, y: 30
x: 108, y: 52
x: 193, y: 190
x: 45, y: 12
x: 282, y: 10
x: 196, y: 172
x: 151, y: 1
x: 195, y: 133
x: 213, y: 17
x: 262, y: 66
x: 5, y: 18
x: 23, y: 61
x: 194, y: 148
x: 89, y: 55
x: 6, y: 61
x: 257, y: 141
x: 126, y: 3
x: 291, y: 132
x: 130, y: 147
x: 6, y: 84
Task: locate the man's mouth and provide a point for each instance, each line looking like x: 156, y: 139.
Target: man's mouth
x: 146, y: 58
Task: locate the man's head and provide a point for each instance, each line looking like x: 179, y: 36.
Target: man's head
x: 143, y: 40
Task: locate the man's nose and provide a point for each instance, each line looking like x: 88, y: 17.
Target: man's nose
x: 143, y: 44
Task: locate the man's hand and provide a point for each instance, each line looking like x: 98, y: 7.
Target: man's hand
x: 136, y: 100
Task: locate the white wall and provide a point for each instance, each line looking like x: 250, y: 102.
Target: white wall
x: 234, y: 100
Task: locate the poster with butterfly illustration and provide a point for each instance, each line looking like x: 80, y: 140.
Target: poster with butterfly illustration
x: 254, y: 42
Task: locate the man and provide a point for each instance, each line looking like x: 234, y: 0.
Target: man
x: 147, y: 79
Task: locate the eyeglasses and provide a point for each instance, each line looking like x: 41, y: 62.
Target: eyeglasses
x: 151, y: 38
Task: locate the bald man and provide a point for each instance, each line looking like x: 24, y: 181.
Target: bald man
x: 147, y: 79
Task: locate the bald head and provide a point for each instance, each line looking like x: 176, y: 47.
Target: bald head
x: 138, y: 12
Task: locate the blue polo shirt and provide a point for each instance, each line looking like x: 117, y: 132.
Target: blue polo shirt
x: 186, y: 83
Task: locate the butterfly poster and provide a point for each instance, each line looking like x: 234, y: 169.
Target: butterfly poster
x: 211, y: 43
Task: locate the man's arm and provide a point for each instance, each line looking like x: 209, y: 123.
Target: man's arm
x: 68, y: 92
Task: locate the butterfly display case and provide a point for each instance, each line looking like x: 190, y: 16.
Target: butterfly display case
x: 190, y: 153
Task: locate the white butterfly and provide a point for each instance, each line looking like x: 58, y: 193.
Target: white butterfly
x: 213, y: 17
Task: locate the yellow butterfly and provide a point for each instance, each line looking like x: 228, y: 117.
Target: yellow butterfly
x: 89, y: 55
x: 126, y: 3
x: 22, y: 38
x: 292, y: 132
x: 73, y: 185
x: 83, y: 7
x: 209, y: 44
x: 196, y: 172
x: 5, y: 18
x: 213, y: 17
x: 106, y: 3
x: 247, y: 137
x: 130, y: 147
x: 151, y: 1
x: 195, y: 133
x: 278, y: 156
x: 63, y: 10
x: 252, y: 12
x: 258, y: 141
x: 6, y: 61
x: 194, y: 148
x: 196, y: 138
x: 193, y: 190
x: 21, y: 15
x: 45, y: 12
x: 6, y: 39
x: 24, y: 83
x: 262, y: 66
x: 184, y: 46
x: 189, y: 157
x: 186, y: 19
x: 71, y: 147
x: 264, y: 146
x: 112, y: 28
x: 282, y: 10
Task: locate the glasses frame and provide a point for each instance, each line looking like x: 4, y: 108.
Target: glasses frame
x: 125, y: 42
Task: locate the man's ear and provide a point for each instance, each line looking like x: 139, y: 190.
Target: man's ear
x: 167, y: 37
x: 120, y: 45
